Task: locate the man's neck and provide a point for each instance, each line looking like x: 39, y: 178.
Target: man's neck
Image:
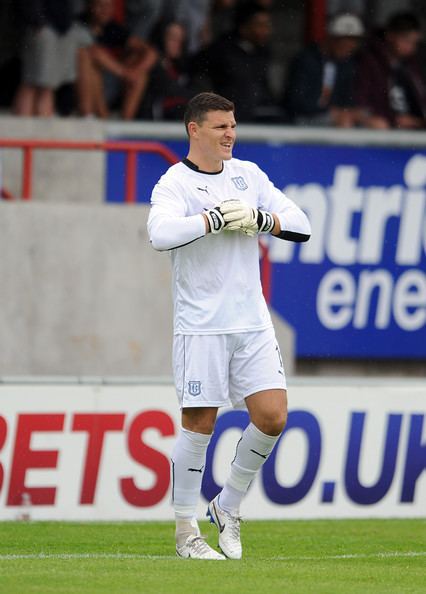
x: 204, y: 164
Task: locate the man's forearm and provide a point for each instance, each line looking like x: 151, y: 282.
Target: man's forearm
x: 168, y: 233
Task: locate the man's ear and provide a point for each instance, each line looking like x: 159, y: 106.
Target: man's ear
x: 192, y: 129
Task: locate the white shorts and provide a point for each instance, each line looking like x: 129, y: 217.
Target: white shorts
x: 50, y: 59
x: 223, y: 369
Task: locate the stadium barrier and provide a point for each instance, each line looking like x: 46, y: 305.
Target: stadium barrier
x: 78, y: 450
x: 363, y: 292
x: 131, y: 149
x: 361, y: 277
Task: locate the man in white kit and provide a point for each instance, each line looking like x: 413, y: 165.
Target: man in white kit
x: 208, y: 210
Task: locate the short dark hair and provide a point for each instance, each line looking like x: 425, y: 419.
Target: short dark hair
x: 403, y: 22
x: 202, y: 103
x: 246, y: 11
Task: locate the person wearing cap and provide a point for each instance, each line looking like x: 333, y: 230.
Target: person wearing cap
x: 389, y: 88
x: 319, y: 87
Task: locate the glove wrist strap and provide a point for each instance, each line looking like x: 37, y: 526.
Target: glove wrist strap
x: 215, y: 219
x: 265, y: 221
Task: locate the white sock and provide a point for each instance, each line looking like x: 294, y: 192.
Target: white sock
x: 252, y: 451
x: 185, y: 528
x: 188, y: 460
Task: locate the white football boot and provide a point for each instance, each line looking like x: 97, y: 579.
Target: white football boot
x: 229, y: 529
x: 195, y: 547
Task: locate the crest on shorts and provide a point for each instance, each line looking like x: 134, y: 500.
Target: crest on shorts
x: 194, y: 388
x: 239, y: 183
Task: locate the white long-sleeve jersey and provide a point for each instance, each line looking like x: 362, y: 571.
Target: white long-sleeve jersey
x: 216, y: 277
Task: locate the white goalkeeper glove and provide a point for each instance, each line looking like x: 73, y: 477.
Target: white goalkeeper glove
x: 239, y: 216
x: 216, y: 216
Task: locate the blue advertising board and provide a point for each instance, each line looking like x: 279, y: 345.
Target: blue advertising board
x: 357, y: 289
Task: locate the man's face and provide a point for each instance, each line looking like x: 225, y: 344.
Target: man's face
x: 174, y: 39
x: 405, y: 44
x: 102, y: 11
x: 258, y: 29
x: 216, y: 135
x: 342, y: 48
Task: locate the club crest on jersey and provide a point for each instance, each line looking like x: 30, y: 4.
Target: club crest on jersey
x: 240, y: 183
x: 194, y: 388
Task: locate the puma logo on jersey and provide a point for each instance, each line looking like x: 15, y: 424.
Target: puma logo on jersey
x: 203, y: 190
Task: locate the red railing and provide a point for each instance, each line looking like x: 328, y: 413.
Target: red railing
x: 265, y: 272
x: 130, y: 148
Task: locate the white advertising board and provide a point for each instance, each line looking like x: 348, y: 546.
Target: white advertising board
x: 81, y: 452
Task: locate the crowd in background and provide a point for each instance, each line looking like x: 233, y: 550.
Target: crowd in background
x: 77, y: 57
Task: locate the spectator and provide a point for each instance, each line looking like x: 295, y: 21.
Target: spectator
x: 143, y: 16
x: 319, y: 88
x: 222, y: 15
x: 390, y: 89
x: 237, y: 64
x: 49, y: 56
x: 115, y: 67
x: 169, y: 90
x: 194, y: 15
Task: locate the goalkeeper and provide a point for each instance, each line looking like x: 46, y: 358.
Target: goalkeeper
x: 207, y: 211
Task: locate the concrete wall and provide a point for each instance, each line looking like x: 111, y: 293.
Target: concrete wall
x: 59, y: 176
x: 83, y: 293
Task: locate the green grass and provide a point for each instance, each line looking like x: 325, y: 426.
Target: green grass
x: 279, y: 557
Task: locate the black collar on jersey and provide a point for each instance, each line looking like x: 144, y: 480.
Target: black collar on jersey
x: 195, y: 167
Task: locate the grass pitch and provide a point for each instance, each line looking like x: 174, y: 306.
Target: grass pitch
x: 358, y: 556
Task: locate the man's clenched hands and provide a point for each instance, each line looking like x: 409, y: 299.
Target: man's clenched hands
x: 239, y: 216
x: 235, y: 215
